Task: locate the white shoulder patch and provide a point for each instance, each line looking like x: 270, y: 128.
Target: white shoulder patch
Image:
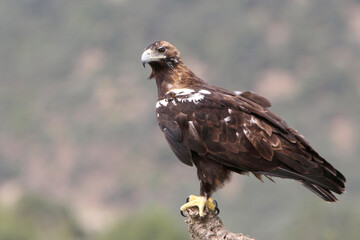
x: 238, y: 92
x: 188, y: 95
x: 195, y: 97
x: 163, y: 102
x: 182, y: 91
x: 203, y: 91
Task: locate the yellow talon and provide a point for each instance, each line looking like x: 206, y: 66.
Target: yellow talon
x: 199, y: 202
x: 210, y: 204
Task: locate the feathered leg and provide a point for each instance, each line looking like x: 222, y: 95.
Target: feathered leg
x: 211, y: 178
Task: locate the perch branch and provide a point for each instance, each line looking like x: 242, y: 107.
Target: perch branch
x: 210, y: 227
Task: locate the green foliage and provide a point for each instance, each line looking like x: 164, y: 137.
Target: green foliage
x: 51, y: 220
x: 34, y: 218
x: 151, y: 225
x: 12, y: 227
x: 324, y: 223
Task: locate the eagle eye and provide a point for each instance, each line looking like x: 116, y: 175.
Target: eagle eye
x: 161, y: 49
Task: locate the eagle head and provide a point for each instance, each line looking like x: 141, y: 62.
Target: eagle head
x: 161, y: 54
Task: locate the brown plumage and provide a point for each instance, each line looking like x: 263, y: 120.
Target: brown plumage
x: 221, y: 131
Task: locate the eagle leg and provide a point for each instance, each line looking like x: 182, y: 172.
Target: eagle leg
x: 200, y: 202
x: 212, y: 175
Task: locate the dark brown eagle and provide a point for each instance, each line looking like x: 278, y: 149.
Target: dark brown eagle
x: 221, y: 131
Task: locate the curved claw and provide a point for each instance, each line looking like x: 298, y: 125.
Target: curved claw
x: 182, y: 213
x: 216, y: 211
x: 215, y: 202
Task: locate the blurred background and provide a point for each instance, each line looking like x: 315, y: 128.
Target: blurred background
x: 82, y: 157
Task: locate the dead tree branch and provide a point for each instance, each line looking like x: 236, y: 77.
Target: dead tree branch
x: 210, y: 227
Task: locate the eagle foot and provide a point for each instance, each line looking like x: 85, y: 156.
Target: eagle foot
x: 216, y: 210
x: 200, y: 202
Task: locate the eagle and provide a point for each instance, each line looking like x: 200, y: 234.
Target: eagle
x: 221, y: 131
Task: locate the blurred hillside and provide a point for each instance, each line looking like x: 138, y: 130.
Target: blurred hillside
x: 78, y: 124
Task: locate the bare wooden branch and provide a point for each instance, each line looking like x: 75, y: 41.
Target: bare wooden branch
x: 210, y: 227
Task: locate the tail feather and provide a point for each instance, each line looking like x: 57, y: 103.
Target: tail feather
x: 321, y: 184
x: 320, y: 191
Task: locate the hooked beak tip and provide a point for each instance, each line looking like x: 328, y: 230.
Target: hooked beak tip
x: 146, y: 57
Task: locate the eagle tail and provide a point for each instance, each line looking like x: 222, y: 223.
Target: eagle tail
x: 320, y: 191
x: 321, y: 185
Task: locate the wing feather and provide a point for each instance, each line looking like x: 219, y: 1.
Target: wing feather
x: 258, y: 138
x: 173, y: 136
x: 256, y: 98
x: 239, y: 132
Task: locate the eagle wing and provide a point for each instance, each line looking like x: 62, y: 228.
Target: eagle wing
x: 238, y: 131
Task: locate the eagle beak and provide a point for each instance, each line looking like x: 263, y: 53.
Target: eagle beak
x: 149, y: 56
x: 146, y: 57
